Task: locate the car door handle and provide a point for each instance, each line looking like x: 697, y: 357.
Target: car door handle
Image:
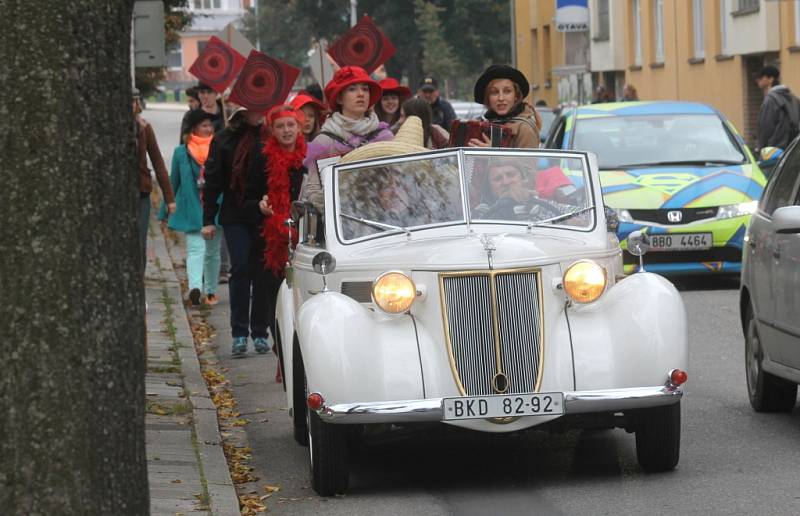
x: 776, y: 252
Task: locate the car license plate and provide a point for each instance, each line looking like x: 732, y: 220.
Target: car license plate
x: 513, y: 405
x: 681, y: 242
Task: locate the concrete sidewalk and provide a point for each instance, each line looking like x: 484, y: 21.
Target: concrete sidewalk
x: 187, y: 469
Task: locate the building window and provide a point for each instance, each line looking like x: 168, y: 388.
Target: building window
x: 723, y: 27
x: 175, y: 58
x: 797, y: 22
x: 658, y: 30
x: 636, y: 12
x: 602, y: 27
x: 697, y: 29
x: 207, y: 4
x: 746, y: 7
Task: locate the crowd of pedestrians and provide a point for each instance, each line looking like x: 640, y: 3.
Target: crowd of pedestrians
x: 233, y: 179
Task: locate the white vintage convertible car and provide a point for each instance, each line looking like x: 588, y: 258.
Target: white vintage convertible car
x: 475, y: 288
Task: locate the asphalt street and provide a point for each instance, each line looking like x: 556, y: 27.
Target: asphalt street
x: 733, y: 461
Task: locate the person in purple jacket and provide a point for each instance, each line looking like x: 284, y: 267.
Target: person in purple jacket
x: 350, y: 95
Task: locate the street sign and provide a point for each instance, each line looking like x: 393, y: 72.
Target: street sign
x: 148, y: 34
x: 572, y: 15
x: 231, y: 35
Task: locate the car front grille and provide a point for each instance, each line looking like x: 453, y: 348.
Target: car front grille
x: 662, y: 216
x: 493, y: 327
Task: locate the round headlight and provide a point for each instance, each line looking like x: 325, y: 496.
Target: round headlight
x: 394, y: 292
x: 585, y: 281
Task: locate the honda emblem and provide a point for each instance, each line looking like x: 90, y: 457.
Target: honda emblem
x: 674, y: 216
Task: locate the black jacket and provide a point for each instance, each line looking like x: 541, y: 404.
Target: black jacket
x: 218, y: 178
x: 443, y: 113
x: 778, y: 118
x: 239, y: 207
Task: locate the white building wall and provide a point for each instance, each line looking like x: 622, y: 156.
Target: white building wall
x: 755, y: 32
x: 608, y: 55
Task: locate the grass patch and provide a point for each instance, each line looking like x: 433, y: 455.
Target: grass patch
x: 160, y: 369
x: 180, y: 408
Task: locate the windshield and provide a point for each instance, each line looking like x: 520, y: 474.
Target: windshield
x: 623, y: 141
x: 399, y: 196
x: 500, y: 187
x: 547, y: 121
x: 531, y: 189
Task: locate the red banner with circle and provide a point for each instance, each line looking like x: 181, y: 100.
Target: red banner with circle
x: 363, y: 45
x: 217, y: 65
x: 263, y: 83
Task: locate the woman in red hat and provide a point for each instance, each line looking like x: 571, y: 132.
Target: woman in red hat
x: 313, y: 111
x: 350, y: 95
x: 388, y: 109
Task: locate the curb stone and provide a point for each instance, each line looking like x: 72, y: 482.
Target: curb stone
x: 222, y: 493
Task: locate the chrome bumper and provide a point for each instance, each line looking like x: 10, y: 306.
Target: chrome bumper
x: 575, y: 402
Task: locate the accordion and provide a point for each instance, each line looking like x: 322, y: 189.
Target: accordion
x: 462, y: 131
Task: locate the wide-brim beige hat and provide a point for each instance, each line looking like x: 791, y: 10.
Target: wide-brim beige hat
x: 408, y: 140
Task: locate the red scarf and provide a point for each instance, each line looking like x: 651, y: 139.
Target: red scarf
x: 279, y: 166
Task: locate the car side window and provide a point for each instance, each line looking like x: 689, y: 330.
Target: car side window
x: 781, y: 187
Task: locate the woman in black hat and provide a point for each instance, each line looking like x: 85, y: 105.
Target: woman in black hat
x: 502, y: 89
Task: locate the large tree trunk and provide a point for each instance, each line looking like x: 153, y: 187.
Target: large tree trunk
x: 71, y: 294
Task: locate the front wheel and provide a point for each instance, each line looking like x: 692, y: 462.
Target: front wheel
x: 329, y: 455
x: 767, y: 393
x: 658, y: 437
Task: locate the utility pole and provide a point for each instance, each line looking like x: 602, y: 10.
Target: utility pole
x: 258, y: 25
x: 353, y: 12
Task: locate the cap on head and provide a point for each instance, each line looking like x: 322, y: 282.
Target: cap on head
x: 428, y: 84
x: 203, y: 87
x: 135, y: 93
x: 770, y: 71
x: 500, y: 71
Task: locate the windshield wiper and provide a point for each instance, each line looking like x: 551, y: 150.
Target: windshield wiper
x: 559, y: 218
x: 375, y: 224
x: 689, y: 162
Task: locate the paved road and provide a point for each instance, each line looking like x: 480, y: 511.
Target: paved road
x: 733, y: 461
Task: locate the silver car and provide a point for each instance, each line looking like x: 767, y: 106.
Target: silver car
x: 770, y: 291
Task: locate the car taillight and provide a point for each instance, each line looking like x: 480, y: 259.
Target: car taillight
x: 315, y: 401
x: 678, y: 377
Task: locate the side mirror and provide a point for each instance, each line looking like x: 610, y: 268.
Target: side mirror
x: 786, y: 220
x: 769, y: 156
x: 638, y: 245
x: 324, y: 263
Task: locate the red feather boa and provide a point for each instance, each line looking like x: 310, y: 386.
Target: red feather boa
x: 278, y: 167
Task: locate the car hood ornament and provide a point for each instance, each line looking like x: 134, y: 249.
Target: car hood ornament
x: 489, y: 243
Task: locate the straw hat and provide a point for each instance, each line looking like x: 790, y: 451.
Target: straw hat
x: 407, y: 140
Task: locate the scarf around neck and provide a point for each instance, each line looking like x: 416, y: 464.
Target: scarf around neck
x: 279, y: 165
x: 198, y: 147
x: 494, y: 117
x: 345, y: 128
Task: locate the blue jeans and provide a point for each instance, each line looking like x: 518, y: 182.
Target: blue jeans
x: 202, y: 262
x: 249, y: 284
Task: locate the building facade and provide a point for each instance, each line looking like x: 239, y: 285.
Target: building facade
x: 209, y: 17
x: 700, y: 50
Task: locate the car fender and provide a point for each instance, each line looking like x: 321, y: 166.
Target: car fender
x: 631, y: 337
x: 353, y: 354
x: 285, y: 323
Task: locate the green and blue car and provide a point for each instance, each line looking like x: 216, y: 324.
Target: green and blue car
x: 678, y: 171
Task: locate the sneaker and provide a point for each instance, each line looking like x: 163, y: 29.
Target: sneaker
x: 262, y: 345
x: 223, y: 277
x: 239, y: 346
x: 211, y: 299
x: 194, y: 296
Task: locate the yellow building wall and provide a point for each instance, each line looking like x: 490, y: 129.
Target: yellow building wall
x: 539, y: 47
x: 715, y: 80
x: 790, y: 47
